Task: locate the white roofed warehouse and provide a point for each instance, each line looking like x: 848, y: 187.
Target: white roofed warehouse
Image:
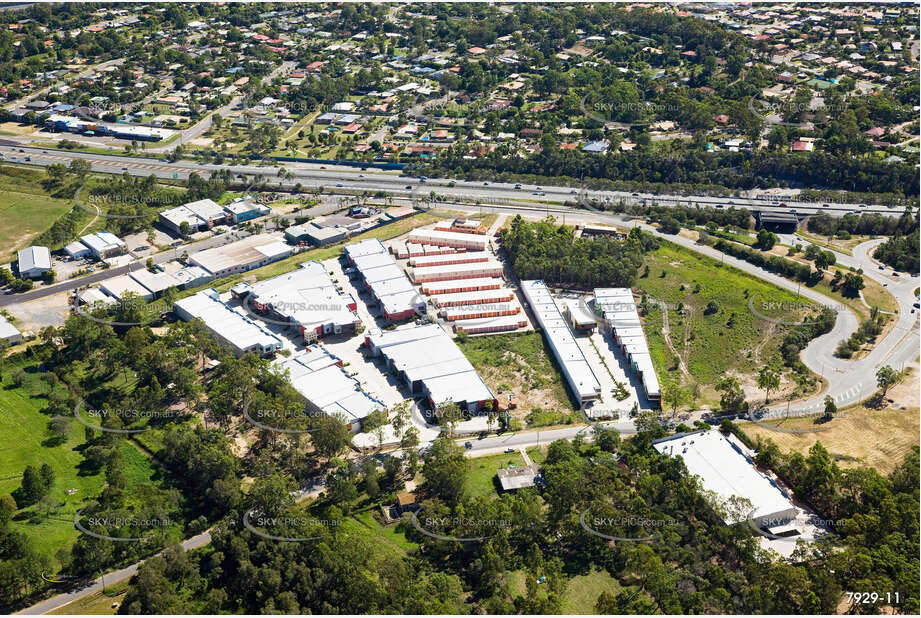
x: 231, y: 327
x: 582, y: 381
x: 242, y: 255
x: 727, y: 468
x: 34, y: 262
x: 621, y: 319
x: 384, y: 280
x: 458, y: 240
x: 319, y: 377
x: 308, y: 299
x: 430, y: 363
x: 449, y: 272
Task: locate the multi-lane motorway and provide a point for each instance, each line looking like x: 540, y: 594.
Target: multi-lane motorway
x: 350, y: 179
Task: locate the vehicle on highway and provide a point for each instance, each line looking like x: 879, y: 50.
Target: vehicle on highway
x: 124, y: 169
x: 825, y: 206
x: 485, y: 184
x: 518, y: 186
x: 422, y: 179
x: 339, y: 185
x: 322, y: 167
x: 509, y: 450
x: 895, y: 274
x: 468, y: 445
x: 409, y: 186
x: 572, y: 191
x: 635, y: 194
x: 361, y: 175
x: 28, y: 158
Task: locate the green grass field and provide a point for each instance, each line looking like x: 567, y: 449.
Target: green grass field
x: 732, y: 338
x: 388, y: 533
x: 581, y: 591
x: 24, y: 441
x: 26, y: 209
x: 483, y: 471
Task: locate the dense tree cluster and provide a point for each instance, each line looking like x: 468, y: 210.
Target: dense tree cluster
x: 872, y: 224
x: 548, y: 251
x: 900, y: 252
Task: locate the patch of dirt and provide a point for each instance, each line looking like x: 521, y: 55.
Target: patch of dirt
x: 517, y: 383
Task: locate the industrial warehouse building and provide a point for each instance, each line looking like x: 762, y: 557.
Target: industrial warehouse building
x: 9, y: 333
x: 231, y: 327
x: 119, y: 287
x: 205, y: 214
x: 621, y: 319
x: 458, y: 286
x: 315, y: 234
x: 404, y: 250
x: 384, y: 280
x: 482, y: 326
x: 319, y: 377
x: 579, y: 376
x: 200, y: 215
x: 458, y: 240
x: 242, y: 255
x: 431, y: 364
x: 476, y: 297
x: 307, y: 298
x: 34, y: 262
x: 448, y: 272
x: 104, y: 244
x: 464, y: 226
x: 245, y: 209
x: 452, y: 258
x: 485, y: 310
x: 726, y: 467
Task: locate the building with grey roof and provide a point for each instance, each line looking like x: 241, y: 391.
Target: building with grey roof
x: 34, y: 262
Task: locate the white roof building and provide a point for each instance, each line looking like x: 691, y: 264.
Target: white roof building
x: 242, y: 255
x: 726, y: 467
x: 34, y: 261
x: 578, y: 373
x: 617, y: 307
x: 117, y: 287
x: 155, y: 282
x: 318, y: 377
x: 232, y: 327
x: 307, y: 297
x: 8, y: 332
x: 103, y: 244
x: 431, y: 364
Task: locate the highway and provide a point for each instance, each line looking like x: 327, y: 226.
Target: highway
x: 349, y: 179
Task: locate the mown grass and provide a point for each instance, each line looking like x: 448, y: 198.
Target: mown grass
x: 388, y: 532
x: 97, y: 604
x: 26, y: 209
x: 840, y: 245
x: 481, y: 479
x: 581, y: 590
